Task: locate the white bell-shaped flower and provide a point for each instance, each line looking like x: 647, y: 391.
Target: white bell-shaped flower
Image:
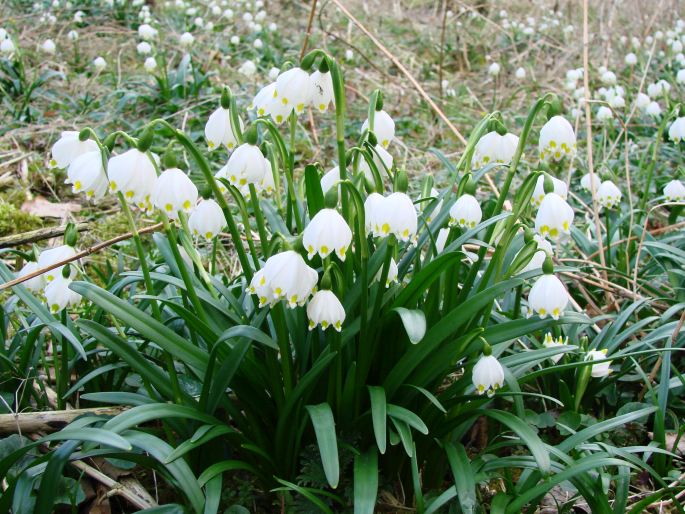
x: 7, y: 47
x: 465, y: 212
x: 539, y: 192
x: 34, y: 284
x: 326, y: 310
x: 659, y: 88
x: 52, y: 256
x: 186, y: 39
x: 587, y: 180
x: 653, y: 110
x: 150, y: 64
x: 554, y: 217
x: 393, y: 272
x: 434, y: 193
x: 322, y: 90
x: 493, y: 148
x: 676, y: 131
x: 174, y: 192
x: 544, y: 249
x: 631, y: 59
x: 144, y: 48
x: 284, y: 276
x: 330, y: 178
x: 604, y: 114
x: 68, y: 147
x: 86, y: 174
x: 381, y: 158
x: 548, y: 296
x: 99, y: 63
x: 58, y: 296
x: 326, y: 233
x: 674, y: 191
x: 207, y: 219
x: 551, y: 342
x: 147, y: 32
x: 49, y: 46
x: 557, y: 139
x: 602, y: 369
x: 383, y: 127
x: 218, y: 130
x: 294, y: 89
x: 608, y: 194
x: 394, y: 214
x: 263, y: 99
x: 247, y: 165
x: 642, y: 101
x: 487, y: 375
x: 441, y: 240
x: 133, y: 174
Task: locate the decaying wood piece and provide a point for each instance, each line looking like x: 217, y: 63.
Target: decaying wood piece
x: 48, y: 421
x: 38, y: 235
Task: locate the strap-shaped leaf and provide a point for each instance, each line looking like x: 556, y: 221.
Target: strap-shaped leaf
x: 407, y: 416
x: 365, y: 481
x: 324, y: 427
x: 379, y: 416
x: 414, y: 321
x: 463, y: 475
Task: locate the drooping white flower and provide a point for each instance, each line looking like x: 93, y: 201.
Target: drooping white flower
x: 434, y: 194
x: 544, y: 249
x: 294, y: 89
x: 144, y: 48
x: 326, y: 310
x: 284, y: 276
x: 604, y: 113
x: 548, y: 296
x: 322, y: 90
x: 174, y: 192
x: 383, y: 127
x: 49, y: 46
x: 554, y: 217
x: 68, y: 147
x: 7, y: 47
x: 631, y: 59
x: 520, y: 73
x: 642, y: 101
x: 493, y: 148
x: 52, y: 256
x: 539, y: 192
x: 330, y: 178
x: 441, y: 240
x: 487, y: 375
x: 235, y: 40
x: 609, y: 78
x: 133, y: 174
x: 72, y: 35
x: 146, y: 32
x: 349, y: 55
x: 551, y: 342
x: 659, y: 88
x: 557, y: 139
x: 247, y: 165
x: 34, y: 284
x: 186, y: 39
x: 394, y: 214
x: 587, y: 180
x: 87, y: 175
x: 273, y: 73
x: 680, y: 78
x: 608, y: 194
x: 326, y: 233
x: 494, y: 69
x: 263, y: 99
x: 58, y: 295
x: 676, y: 131
x: 653, y: 109
x: 674, y: 191
x: 207, y: 219
x: 602, y: 369
x: 150, y: 64
x: 465, y: 212
x: 218, y: 130
x: 258, y: 44
x: 381, y: 158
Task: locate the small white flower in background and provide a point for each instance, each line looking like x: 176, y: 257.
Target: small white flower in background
x: 488, y: 375
x: 150, y: 64
x: 393, y: 273
x: 587, y: 180
x: 441, y: 240
x: 520, y: 73
x: 198, y: 22
x: 434, y: 194
x: 548, y: 296
x: 322, y: 90
x: 393, y: 214
x: 68, y: 147
x: 465, y: 212
x: 228, y: 13
x: 674, y: 191
x: 294, y: 89
x: 493, y: 148
x: 284, y: 276
x: 258, y: 44
x: 144, y: 48
x: 58, y: 296
x: 676, y: 131
x: 78, y: 16
x: 34, y: 284
x: 147, y: 32
x: 659, y: 88
x: 247, y: 17
x: 99, y: 63
x: 330, y: 178
x: 381, y: 158
x: 326, y: 233
x: 273, y: 73
x: 554, y: 217
x: 539, y: 192
x: 133, y: 174
x: 383, y: 127
x: 604, y: 113
x: 677, y: 46
x: 3, y: 34
x: 273, y: 27
x: 557, y: 139
x: 349, y: 55
x: 642, y: 101
x: 235, y: 40
x: 602, y: 369
x: 186, y: 39
x: 7, y: 47
x: 494, y: 69
x: 174, y: 192
x: 617, y: 102
x: 609, y: 78
x: 218, y: 130
x: 550, y: 342
x: 52, y: 256
x: 326, y: 310
x: 72, y: 35
x: 544, y: 249
x: 49, y: 46
x: 248, y: 68
x: 574, y: 75
x: 207, y: 219
x: 631, y: 59
x: 87, y: 175
x: 608, y: 194
x: 653, y: 109
x: 247, y: 165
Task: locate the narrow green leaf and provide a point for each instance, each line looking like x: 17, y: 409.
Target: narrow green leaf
x: 365, y: 481
x: 407, y: 416
x: 464, y: 479
x: 324, y: 427
x: 379, y: 416
x: 414, y: 321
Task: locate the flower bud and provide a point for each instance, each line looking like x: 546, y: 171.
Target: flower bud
x: 251, y: 135
x: 66, y: 271
x: 528, y: 235
x: 70, y: 235
x: 145, y: 141
x: 401, y: 181
x: 226, y: 97
x: 308, y: 60
x: 169, y: 159
x: 372, y: 139
x: 379, y: 101
x: 548, y: 266
x: 331, y: 198
x: 555, y: 107
x: 548, y: 184
x: 84, y: 134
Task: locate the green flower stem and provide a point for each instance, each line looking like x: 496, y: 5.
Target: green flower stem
x: 259, y: 217
x: 607, y: 214
x: 271, y: 155
x: 62, y: 377
x: 278, y: 316
x: 215, y: 245
x: 186, y: 242
x: 242, y: 208
x: 652, y: 164
x: 209, y: 177
x: 339, y: 95
x: 290, y: 174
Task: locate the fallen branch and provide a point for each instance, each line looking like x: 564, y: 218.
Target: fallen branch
x: 38, y: 235
x: 48, y: 421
